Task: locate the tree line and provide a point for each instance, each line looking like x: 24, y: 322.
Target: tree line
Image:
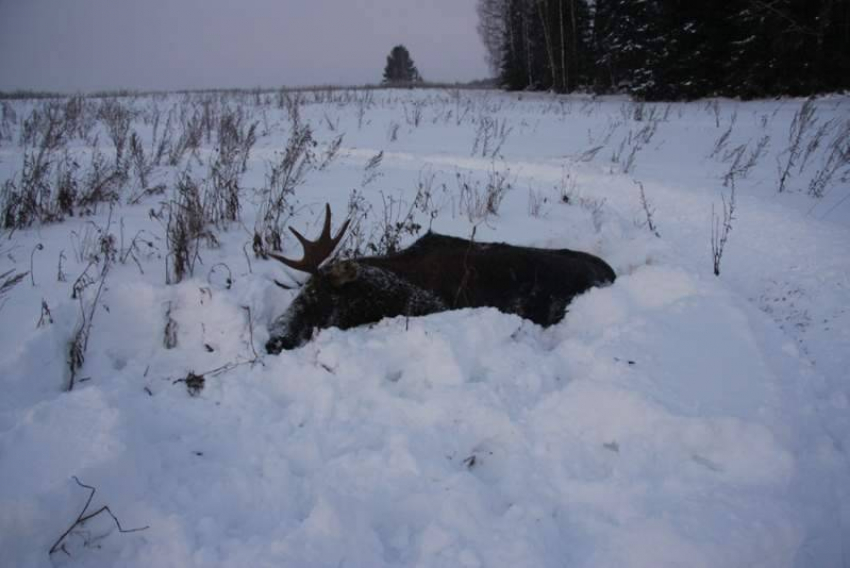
x: 669, y: 49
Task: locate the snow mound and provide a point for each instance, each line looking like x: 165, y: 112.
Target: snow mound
x: 468, y: 438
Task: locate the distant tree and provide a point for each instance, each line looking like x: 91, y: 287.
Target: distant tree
x: 790, y: 47
x: 516, y: 71
x: 538, y: 44
x: 493, y: 16
x: 400, y: 67
x: 523, y: 61
x: 628, y: 45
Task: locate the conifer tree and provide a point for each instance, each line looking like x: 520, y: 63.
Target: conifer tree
x: 515, y: 71
x: 627, y: 45
x: 400, y: 67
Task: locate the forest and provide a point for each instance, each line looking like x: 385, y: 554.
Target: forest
x: 669, y: 49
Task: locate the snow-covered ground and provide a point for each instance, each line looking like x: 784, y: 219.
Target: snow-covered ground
x: 674, y: 418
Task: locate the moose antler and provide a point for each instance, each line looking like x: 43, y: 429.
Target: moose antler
x: 315, y: 252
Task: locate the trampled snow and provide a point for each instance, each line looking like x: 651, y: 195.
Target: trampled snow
x: 674, y: 418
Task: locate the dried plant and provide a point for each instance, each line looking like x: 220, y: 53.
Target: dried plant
x: 648, y: 211
x: 371, y: 170
x: 330, y: 153
x: 490, y: 135
x: 722, y: 141
x: 397, y: 221
x: 101, y: 184
x: 477, y: 203
x: 536, y: 201
x: 413, y: 113
x: 740, y: 167
x: 87, y: 289
x: 8, y: 280
x: 392, y: 131
x: 836, y: 163
x: 189, y: 140
x: 720, y: 229
x: 284, y: 176
x: 117, y: 119
x: 804, y: 119
x: 356, y: 241
x: 185, y: 229
x: 235, y: 140
x: 141, y: 165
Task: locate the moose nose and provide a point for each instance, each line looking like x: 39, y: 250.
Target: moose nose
x: 278, y: 344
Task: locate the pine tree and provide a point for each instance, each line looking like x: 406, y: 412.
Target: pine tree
x: 400, y: 67
x: 628, y: 45
x: 790, y: 47
x: 691, y: 46
x: 833, y: 45
x: 514, y: 71
x: 580, y: 31
x: 698, y: 39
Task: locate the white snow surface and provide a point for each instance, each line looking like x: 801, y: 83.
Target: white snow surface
x: 674, y: 418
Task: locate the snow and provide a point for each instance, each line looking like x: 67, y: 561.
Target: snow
x: 673, y: 418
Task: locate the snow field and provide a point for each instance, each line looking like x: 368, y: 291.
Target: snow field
x: 673, y: 418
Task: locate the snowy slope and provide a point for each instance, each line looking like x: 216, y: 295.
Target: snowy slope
x: 674, y: 418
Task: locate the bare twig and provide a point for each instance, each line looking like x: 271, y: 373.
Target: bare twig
x: 79, y: 344
x: 83, y: 517
x: 720, y: 232
x: 37, y: 247
x: 370, y: 171
x: 257, y: 358
x: 648, y: 210
x: 804, y: 120
x: 60, y: 274
x: 9, y: 280
x: 228, y: 282
x: 46, y: 316
x: 170, y: 335
x: 247, y: 257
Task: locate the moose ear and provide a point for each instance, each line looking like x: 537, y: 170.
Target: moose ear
x: 342, y: 273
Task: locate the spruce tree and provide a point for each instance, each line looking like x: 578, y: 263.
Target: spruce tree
x: 400, y: 67
x: 514, y: 71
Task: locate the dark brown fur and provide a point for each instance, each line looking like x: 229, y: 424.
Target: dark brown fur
x: 439, y: 273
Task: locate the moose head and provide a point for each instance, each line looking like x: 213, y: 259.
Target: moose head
x: 434, y: 274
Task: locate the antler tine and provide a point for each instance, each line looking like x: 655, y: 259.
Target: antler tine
x: 301, y: 238
x: 315, y: 252
x: 326, y: 228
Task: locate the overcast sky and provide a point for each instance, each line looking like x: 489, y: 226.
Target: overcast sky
x: 84, y: 45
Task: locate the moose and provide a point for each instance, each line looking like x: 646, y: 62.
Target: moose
x: 434, y: 274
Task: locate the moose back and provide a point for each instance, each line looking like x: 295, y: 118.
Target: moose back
x: 435, y: 274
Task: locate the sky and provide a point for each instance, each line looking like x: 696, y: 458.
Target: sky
x: 86, y: 45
